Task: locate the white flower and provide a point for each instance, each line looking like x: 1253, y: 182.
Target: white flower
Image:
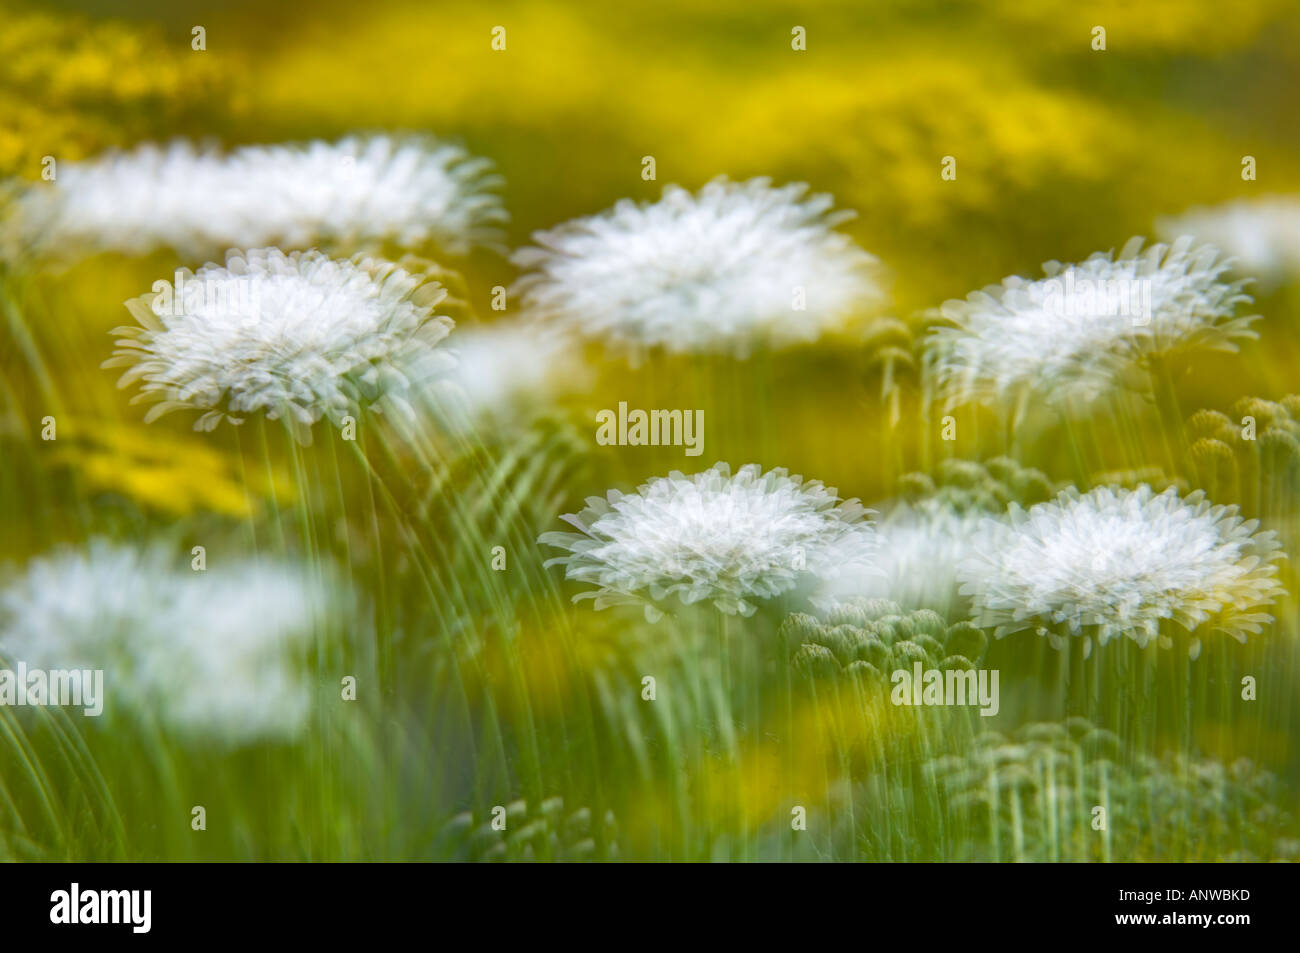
x: 1120, y: 562
x: 297, y: 334
x: 918, y: 553
x: 711, y: 536
x: 503, y: 366
x: 210, y: 654
x: 1086, y: 327
x: 723, y: 269
x: 352, y: 194
x: 1263, y: 235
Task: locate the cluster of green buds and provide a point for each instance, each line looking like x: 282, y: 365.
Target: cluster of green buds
x: 992, y: 485
x: 870, y: 638
x: 1074, y: 792
x: 1252, y: 456
x: 520, y: 832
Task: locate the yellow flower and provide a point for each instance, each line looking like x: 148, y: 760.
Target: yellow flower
x: 169, y: 473
x: 70, y: 86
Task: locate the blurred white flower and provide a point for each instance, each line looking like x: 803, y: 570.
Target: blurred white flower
x: 507, y: 366
x: 210, y: 654
x: 1118, y: 562
x: 918, y: 553
x: 734, y: 265
x: 1263, y: 234
x: 1087, y: 327
x: 711, y: 536
x: 297, y: 334
x: 349, y: 195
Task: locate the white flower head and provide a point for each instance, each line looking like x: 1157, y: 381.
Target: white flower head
x: 714, y: 536
x: 503, y: 366
x: 1118, y: 562
x: 295, y: 334
x: 724, y: 269
x: 354, y: 194
x: 918, y: 554
x: 210, y: 654
x: 1086, y: 327
x: 1263, y: 234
